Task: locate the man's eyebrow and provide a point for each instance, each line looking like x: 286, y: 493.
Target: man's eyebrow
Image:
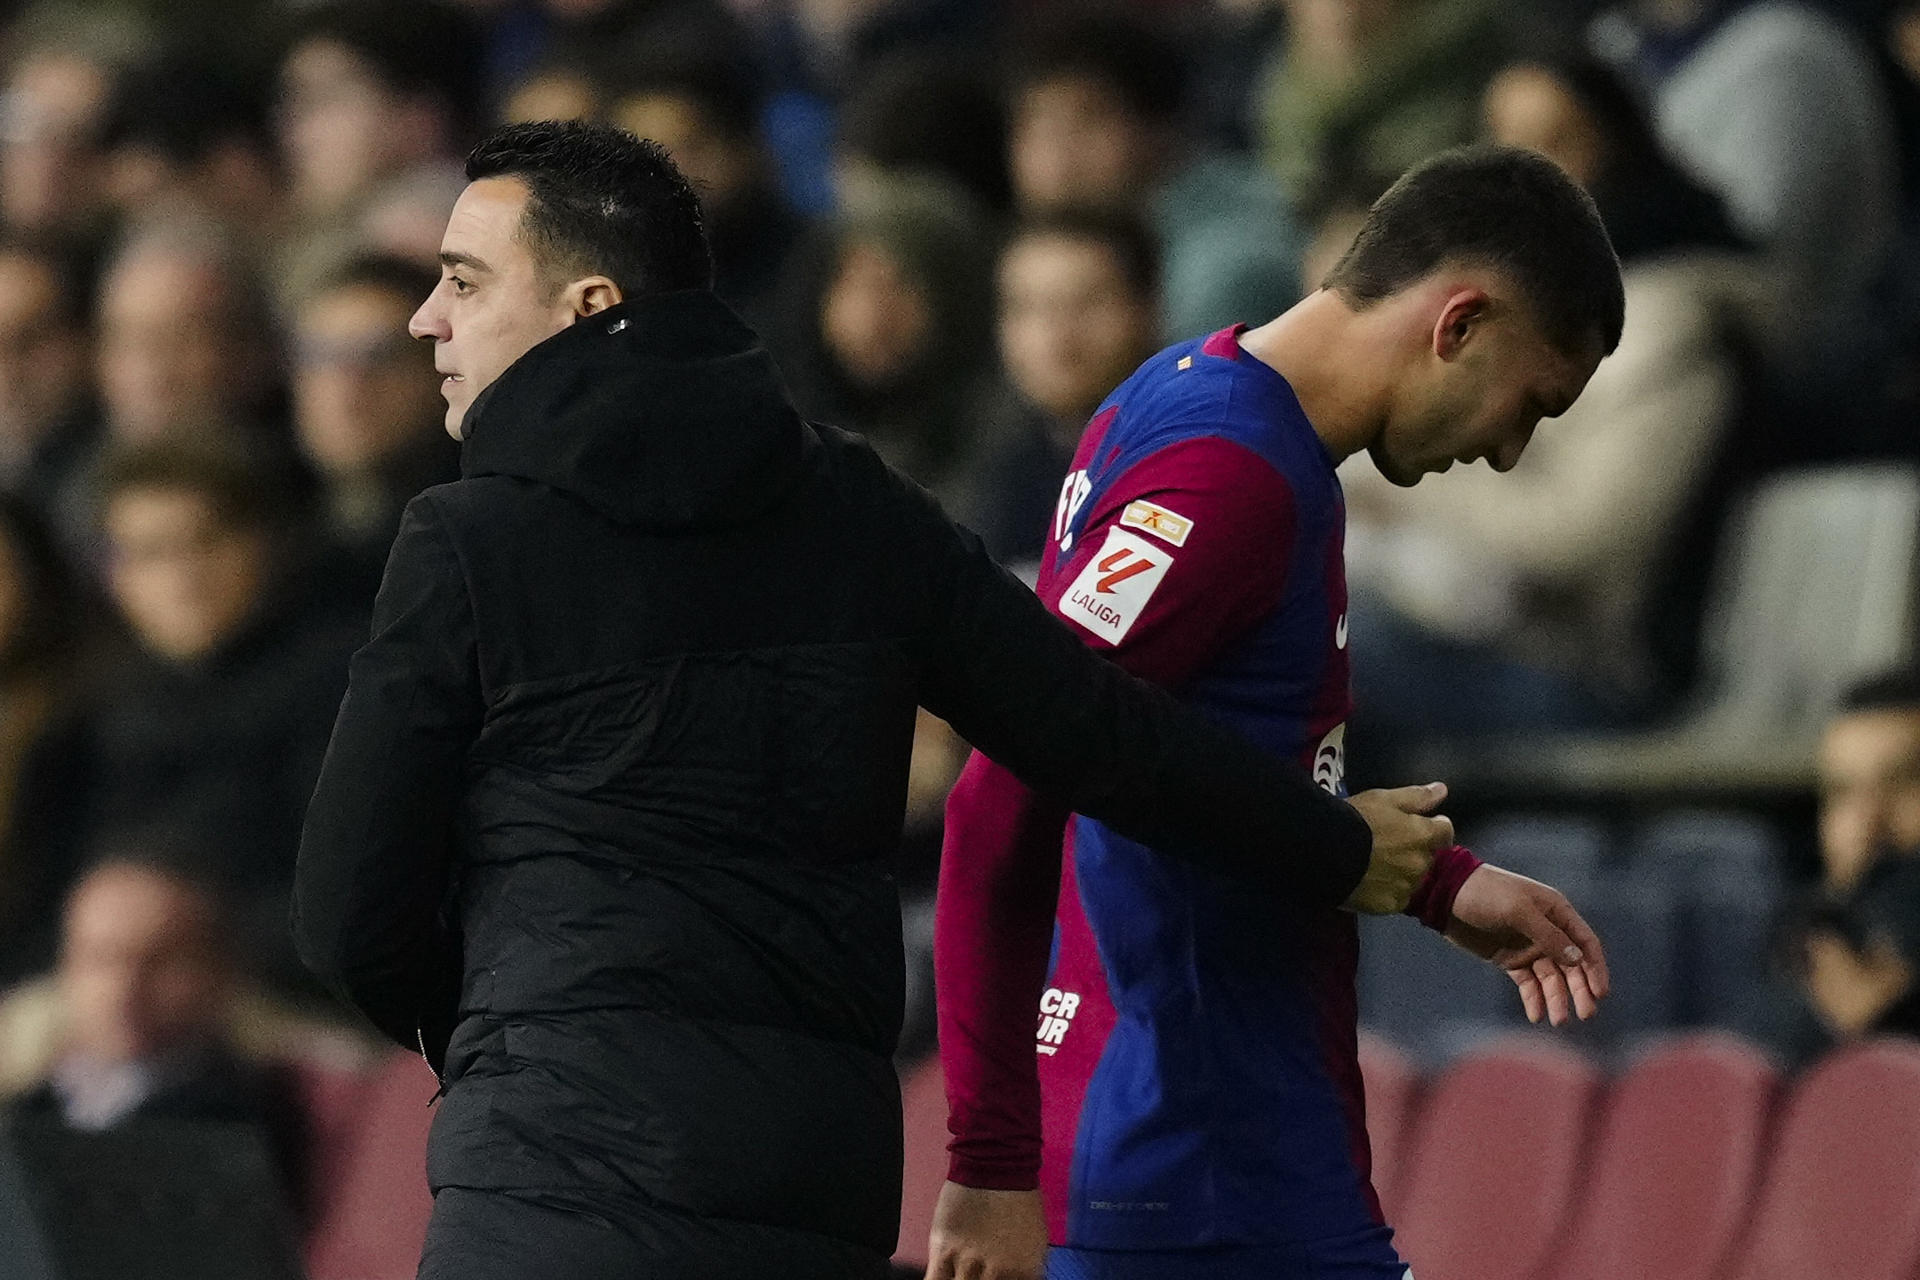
x: 456, y: 260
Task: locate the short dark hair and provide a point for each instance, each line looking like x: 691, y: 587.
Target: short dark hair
x: 1897, y: 690
x: 1510, y: 209
x: 601, y: 201
x: 1109, y: 46
x: 1133, y: 245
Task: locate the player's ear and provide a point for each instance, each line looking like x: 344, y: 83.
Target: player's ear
x: 1459, y: 319
x: 590, y: 295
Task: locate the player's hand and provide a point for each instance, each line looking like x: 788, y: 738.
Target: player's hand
x: 987, y: 1235
x: 1530, y: 930
x: 1406, y: 832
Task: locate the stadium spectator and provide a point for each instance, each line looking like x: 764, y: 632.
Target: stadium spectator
x: 892, y: 330
x: 1777, y: 107
x: 1079, y: 308
x: 146, y: 988
x: 404, y: 218
x: 188, y: 136
x: 932, y: 113
x: 366, y: 407
x: 1362, y: 89
x: 703, y: 106
x: 186, y: 340
x: 1491, y: 603
x: 44, y: 640
x: 554, y: 90
x: 1857, y: 945
x: 47, y: 412
x: 215, y: 722
x: 53, y: 157
x: 1094, y: 106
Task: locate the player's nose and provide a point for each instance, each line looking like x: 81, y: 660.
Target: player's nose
x: 429, y: 321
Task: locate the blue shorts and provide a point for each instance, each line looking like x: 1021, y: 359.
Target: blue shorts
x: 1234, y: 1263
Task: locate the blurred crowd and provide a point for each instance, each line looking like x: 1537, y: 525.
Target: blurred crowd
x: 958, y: 224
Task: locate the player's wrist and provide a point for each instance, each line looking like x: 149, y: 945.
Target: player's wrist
x: 1432, y: 902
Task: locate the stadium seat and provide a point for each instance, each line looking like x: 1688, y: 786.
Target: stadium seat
x: 1393, y: 1092
x: 1675, y: 1166
x: 376, y: 1219
x: 1815, y: 588
x: 331, y: 1098
x: 923, y: 1103
x: 1842, y: 1196
x: 1494, y: 1163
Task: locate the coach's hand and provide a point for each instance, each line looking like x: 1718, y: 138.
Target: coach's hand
x: 1406, y: 832
x: 1530, y: 930
x: 987, y: 1235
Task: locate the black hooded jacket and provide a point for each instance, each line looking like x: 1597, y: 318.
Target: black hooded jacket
x: 607, y: 820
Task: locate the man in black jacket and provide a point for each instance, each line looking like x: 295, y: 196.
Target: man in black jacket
x: 606, y: 821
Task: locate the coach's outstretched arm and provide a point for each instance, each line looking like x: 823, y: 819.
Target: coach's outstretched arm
x: 373, y: 873
x: 1013, y: 681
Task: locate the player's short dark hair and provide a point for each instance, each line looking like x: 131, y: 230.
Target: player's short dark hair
x: 401, y: 277
x: 1128, y: 238
x: 1510, y: 209
x: 416, y: 48
x: 1897, y: 690
x: 601, y: 201
x: 1109, y: 46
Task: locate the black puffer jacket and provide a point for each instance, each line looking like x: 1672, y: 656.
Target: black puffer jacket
x: 633, y: 726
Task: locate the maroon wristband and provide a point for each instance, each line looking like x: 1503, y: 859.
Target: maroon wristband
x: 1432, y: 903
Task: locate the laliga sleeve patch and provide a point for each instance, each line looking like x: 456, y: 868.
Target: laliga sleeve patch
x: 1113, y: 589
x: 1169, y: 526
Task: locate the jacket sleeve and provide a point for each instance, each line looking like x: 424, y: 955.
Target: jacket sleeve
x: 374, y: 873
x: 1012, y: 680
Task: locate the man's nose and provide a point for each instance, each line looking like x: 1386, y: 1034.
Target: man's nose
x: 428, y: 321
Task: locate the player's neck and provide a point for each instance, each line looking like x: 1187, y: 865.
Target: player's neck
x: 1339, y: 364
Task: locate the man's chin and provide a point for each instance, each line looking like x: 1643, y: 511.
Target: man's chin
x: 456, y: 416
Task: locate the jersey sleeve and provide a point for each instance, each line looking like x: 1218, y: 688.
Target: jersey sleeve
x: 1183, y: 555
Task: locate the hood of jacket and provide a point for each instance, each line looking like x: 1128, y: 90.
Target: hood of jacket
x: 664, y: 412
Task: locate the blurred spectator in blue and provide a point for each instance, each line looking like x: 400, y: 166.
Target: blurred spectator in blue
x: 189, y: 136
x: 1776, y: 106
x: 932, y: 113
x: 1095, y: 103
x: 703, y: 105
x: 892, y: 330
x: 53, y: 120
x: 367, y: 411
x: 216, y: 720
x: 1494, y: 604
x: 44, y: 641
x: 1856, y: 945
x: 370, y: 92
x: 145, y: 987
x: 1361, y: 90
x: 1079, y: 311
x: 48, y: 417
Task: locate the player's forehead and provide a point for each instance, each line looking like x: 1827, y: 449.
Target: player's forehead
x: 483, y: 231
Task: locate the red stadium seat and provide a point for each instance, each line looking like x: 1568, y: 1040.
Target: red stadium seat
x: 923, y: 1102
x: 1676, y: 1164
x: 376, y: 1221
x: 331, y: 1097
x: 1393, y: 1091
x: 1492, y: 1179
x: 1842, y: 1197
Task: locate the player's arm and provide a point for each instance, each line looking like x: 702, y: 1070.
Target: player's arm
x: 373, y: 874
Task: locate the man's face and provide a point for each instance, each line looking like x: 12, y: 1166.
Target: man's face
x: 169, y: 350
x: 1075, y: 144
x: 719, y: 166
x: 493, y: 304
x: 139, y: 966
x: 336, y: 124
x: 1869, y: 791
x: 875, y: 318
x: 52, y: 168
x: 1071, y: 325
x: 362, y: 390
x: 43, y: 357
x: 184, y: 578
x: 1482, y: 400
x: 1526, y: 106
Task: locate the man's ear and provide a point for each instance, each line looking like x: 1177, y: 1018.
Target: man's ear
x: 1463, y: 313
x: 591, y: 295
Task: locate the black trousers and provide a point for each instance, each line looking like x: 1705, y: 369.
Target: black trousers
x: 498, y: 1235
